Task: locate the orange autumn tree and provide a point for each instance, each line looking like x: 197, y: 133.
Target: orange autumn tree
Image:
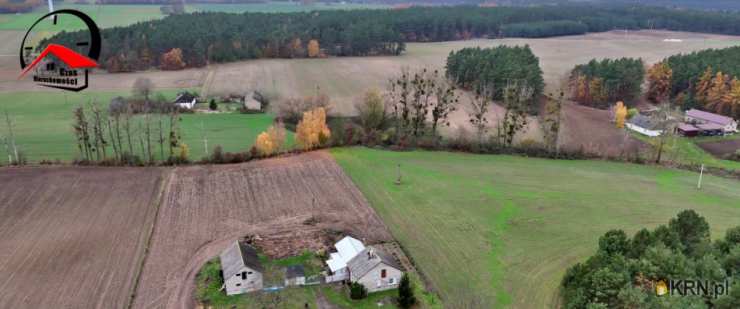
x: 313, y: 49
x: 659, y: 82
x: 718, y: 89
x: 172, y: 60
x: 620, y: 114
x: 312, y: 130
x: 270, y: 141
x: 703, y: 85
x: 730, y: 102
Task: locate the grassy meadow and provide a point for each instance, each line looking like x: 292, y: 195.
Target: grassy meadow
x: 43, y: 125
x: 502, y: 230
x: 686, y: 151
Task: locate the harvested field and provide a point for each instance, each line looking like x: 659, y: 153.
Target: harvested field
x: 287, y: 204
x: 74, y: 237
x: 593, y: 131
x: 720, y: 149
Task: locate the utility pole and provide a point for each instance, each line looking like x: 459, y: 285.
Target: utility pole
x: 701, y: 173
x: 11, y: 137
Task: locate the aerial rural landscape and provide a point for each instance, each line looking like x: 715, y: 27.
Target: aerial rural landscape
x: 369, y: 154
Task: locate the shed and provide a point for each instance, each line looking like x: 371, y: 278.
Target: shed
x: 251, y: 103
x: 294, y: 275
x: 241, y: 268
x: 687, y: 130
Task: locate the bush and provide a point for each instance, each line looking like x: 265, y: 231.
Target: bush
x: 371, y: 111
x: 357, y: 291
x: 213, y: 105
x: 632, y: 112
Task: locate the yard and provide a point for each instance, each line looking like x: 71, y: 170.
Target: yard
x: 686, y: 150
x: 43, y: 125
x: 495, y: 231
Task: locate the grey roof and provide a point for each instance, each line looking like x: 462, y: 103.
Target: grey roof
x: 184, y: 97
x: 238, y: 255
x: 643, y: 122
x: 710, y: 117
x: 294, y: 271
x: 367, y: 260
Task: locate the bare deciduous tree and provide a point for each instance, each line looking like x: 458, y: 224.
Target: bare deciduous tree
x: 479, y: 102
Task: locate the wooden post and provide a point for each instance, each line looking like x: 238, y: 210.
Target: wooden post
x: 398, y: 169
x: 701, y: 173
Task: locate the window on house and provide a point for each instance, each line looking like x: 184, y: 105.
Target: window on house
x: 382, y: 273
x: 249, y: 272
x: 238, y: 284
x: 244, y: 275
x: 392, y: 281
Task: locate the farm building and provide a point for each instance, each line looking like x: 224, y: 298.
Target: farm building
x: 347, y: 248
x: 710, y: 122
x: 185, y: 100
x: 294, y: 275
x: 251, y: 103
x: 241, y: 269
x: 375, y: 269
x: 644, y: 125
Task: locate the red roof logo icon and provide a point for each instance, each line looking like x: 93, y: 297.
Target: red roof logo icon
x: 66, y: 55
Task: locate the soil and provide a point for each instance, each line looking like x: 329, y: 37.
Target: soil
x: 721, y: 148
x: 74, y: 237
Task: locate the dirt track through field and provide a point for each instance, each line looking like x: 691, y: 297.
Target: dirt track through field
x: 291, y: 204
x: 73, y: 237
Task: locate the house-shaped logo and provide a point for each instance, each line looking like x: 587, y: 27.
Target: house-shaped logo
x: 61, y: 68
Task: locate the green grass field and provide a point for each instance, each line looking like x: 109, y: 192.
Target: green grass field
x: 685, y: 150
x: 43, y: 125
x: 502, y: 230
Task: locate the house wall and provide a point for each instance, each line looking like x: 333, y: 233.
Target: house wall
x: 339, y: 275
x: 374, y: 283
x: 236, y: 285
x: 643, y: 131
x: 295, y: 281
x: 732, y: 127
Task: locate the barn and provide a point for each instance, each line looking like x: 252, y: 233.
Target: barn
x: 241, y: 269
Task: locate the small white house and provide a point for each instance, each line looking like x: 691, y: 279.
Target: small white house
x: 644, y: 125
x: 185, y: 100
x: 375, y: 270
x: 241, y: 269
x: 347, y: 248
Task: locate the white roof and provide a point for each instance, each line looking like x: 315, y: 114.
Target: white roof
x: 347, y: 248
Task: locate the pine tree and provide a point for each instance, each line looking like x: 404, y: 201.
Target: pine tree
x: 406, y: 297
x: 659, y: 79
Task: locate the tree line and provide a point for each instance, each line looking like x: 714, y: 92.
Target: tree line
x: 625, y: 272
x: 601, y: 83
x: 706, y: 79
x: 494, y: 69
x: 207, y: 37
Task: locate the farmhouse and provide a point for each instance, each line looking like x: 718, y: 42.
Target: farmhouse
x: 644, y: 125
x: 241, y: 268
x: 710, y: 121
x: 347, y: 248
x: 185, y: 100
x: 375, y: 270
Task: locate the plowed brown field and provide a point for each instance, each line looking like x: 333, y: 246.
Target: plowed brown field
x: 74, y: 237
x: 288, y: 204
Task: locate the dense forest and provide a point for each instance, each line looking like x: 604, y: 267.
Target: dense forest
x: 603, y: 83
x: 707, y: 79
x: 625, y: 272
x: 495, y: 68
x: 221, y: 37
